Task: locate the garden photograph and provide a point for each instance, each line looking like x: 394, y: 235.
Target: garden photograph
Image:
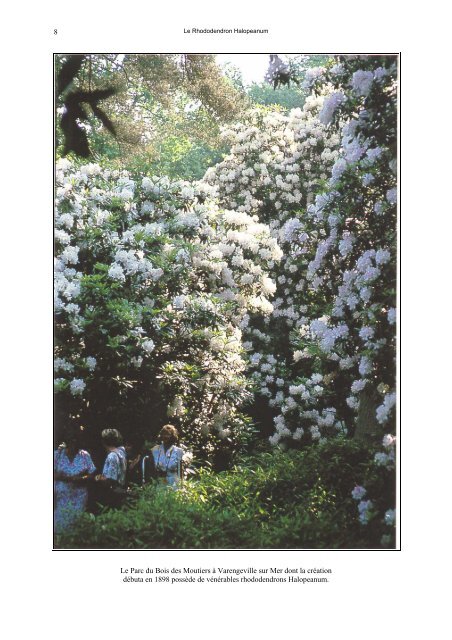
x: 225, y: 301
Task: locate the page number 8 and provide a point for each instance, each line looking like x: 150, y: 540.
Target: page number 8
x: 55, y: 32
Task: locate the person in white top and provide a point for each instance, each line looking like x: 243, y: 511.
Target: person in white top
x: 168, y: 456
x: 112, y: 480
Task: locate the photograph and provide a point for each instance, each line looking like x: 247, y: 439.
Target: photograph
x: 226, y: 301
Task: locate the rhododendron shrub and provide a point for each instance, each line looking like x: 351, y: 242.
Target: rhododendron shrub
x: 152, y: 282
x: 355, y: 263
x: 277, y: 161
x: 325, y: 358
x: 325, y: 180
x: 359, y: 215
x: 276, y: 165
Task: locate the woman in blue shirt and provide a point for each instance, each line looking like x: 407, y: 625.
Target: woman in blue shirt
x: 73, y: 468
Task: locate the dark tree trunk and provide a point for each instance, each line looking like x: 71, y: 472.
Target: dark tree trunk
x: 367, y: 427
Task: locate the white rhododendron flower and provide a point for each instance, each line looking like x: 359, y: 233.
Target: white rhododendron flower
x: 77, y: 386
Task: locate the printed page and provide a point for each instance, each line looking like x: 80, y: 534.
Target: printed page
x: 221, y: 405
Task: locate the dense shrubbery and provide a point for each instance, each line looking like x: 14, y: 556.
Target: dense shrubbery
x: 324, y: 179
x: 275, y: 500
x: 272, y: 281
x: 149, y: 302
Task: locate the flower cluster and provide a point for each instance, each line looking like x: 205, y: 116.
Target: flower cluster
x: 276, y: 162
x: 324, y: 178
x: 153, y: 282
x: 374, y: 509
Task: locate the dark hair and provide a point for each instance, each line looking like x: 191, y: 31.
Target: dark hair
x: 111, y: 437
x: 72, y: 433
x: 171, y: 431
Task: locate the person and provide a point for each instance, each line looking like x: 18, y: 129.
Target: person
x: 168, y: 457
x: 73, y: 468
x: 112, y: 480
x: 140, y: 466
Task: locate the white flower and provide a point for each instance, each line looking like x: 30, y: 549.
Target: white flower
x: 156, y: 274
x: 381, y: 459
x: 62, y: 236
x: 366, y: 333
x: 176, y: 408
x: 346, y: 363
x: 315, y: 433
x: 91, y: 363
x: 312, y: 74
x: 378, y: 208
x: 358, y: 385
x: 389, y: 441
x: 365, y: 366
x: 373, y: 154
x: 362, y: 82
x: 65, y: 220
x: 187, y: 193
x: 391, y: 196
x: 116, y: 272
x: 384, y: 410
x: 390, y: 517
x: 365, y: 511
x: 332, y: 102
x: 148, y: 346
x: 63, y: 164
x: 392, y: 315
x: 72, y: 309
x: 245, y: 279
x: 346, y: 244
x: 274, y: 439
x: 268, y: 286
x: 77, y: 386
x: 255, y: 358
x: 382, y: 256
x: 358, y: 492
x: 179, y: 302
x: 380, y: 73
x: 62, y: 364
x: 338, y: 169
x: 146, y: 184
x: 337, y: 70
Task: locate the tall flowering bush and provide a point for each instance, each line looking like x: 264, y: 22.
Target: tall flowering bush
x: 325, y: 180
x: 152, y: 282
x: 356, y: 262
x: 276, y: 166
x: 325, y: 358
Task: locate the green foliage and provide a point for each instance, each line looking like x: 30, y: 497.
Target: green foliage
x: 274, y: 500
x: 290, y: 96
x: 154, y: 99
x: 179, y: 156
x: 286, y: 97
